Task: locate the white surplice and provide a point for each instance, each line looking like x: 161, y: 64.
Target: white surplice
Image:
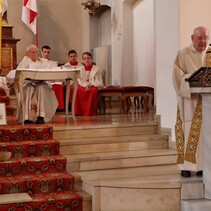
x: 39, y: 99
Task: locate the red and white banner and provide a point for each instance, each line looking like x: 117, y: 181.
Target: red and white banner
x: 29, y: 14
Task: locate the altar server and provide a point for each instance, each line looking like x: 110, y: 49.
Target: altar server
x: 89, y: 81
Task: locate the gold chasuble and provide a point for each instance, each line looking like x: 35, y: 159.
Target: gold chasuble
x: 189, y: 153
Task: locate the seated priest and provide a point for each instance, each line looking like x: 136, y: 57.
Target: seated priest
x: 39, y: 99
x: 90, y: 80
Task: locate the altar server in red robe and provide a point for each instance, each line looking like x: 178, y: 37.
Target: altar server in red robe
x: 73, y: 60
x: 89, y: 81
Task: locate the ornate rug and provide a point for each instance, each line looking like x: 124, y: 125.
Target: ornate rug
x: 36, y: 168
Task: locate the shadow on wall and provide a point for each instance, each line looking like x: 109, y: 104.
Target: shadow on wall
x: 51, y: 32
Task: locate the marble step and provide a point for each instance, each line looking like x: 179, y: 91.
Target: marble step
x: 128, y: 188
x: 196, y: 205
x: 150, y: 175
x: 105, y: 130
x: 112, y: 144
x: 120, y: 159
x: 192, y: 188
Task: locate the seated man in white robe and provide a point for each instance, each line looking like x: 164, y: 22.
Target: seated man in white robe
x: 39, y: 99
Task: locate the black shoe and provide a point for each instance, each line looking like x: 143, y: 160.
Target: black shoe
x: 199, y: 173
x: 28, y: 122
x: 40, y: 120
x: 185, y: 173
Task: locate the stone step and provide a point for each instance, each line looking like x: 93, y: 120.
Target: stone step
x: 103, y: 130
x: 168, y: 173
x: 126, y: 189
x: 124, y: 159
x: 192, y: 188
x: 112, y: 144
x: 196, y: 205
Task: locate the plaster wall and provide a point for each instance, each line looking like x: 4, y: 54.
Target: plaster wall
x: 59, y: 25
x: 193, y: 13
x: 144, y: 45
x: 166, y: 46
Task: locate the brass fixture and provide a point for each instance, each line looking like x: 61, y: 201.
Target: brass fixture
x: 91, y: 5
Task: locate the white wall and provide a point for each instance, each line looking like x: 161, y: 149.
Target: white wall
x: 144, y: 47
x: 126, y: 35
x: 166, y: 46
x: 193, y: 13
x: 117, y: 41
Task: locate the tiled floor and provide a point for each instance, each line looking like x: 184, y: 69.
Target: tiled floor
x: 112, y: 116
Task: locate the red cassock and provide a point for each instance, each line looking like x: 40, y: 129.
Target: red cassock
x: 59, y: 92
x: 86, y: 101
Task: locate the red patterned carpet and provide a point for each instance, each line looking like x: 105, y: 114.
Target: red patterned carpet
x: 36, y: 168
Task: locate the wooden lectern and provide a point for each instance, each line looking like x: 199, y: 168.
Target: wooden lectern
x: 200, y: 82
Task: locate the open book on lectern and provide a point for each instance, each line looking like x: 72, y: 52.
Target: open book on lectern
x: 200, y: 78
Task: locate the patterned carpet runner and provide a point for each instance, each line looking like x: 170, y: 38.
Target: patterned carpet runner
x: 36, y: 168
x: 5, y: 99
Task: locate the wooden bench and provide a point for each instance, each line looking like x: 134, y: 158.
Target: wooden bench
x: 124, y: 94
x: 111, y: 91
x: 136, y: 92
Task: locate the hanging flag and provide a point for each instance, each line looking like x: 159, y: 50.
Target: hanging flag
x: 29, y: 14
x: 3, y: 6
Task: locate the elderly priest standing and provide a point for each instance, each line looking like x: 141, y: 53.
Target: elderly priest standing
x: 189, y: 106
x: 39, y: 99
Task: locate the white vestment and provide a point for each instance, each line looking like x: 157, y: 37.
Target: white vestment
x: 186, y: 63
x: 39, y: 98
